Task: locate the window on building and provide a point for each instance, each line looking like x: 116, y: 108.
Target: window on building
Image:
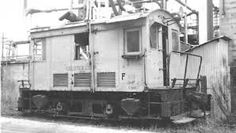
x: 132, y: 41
x: 81, y: 46
x: 175, y: 40
x: 39, y: 49
x: 155, y: 35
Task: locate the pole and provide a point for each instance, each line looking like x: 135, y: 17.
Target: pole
x: 185, y: 24
x: 25, y: 6
x: 185, y: 5
x: 71, y: 5
x: 2, y: 46
x: 89, y: 6
x: 197, y: 16
x: 1, y: 80
x: 164, y: 4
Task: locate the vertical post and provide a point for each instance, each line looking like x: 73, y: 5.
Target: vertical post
x: 164, y: 4
x: 149, y: 104
x: 209, y: 20
x: 2, y: 46
x: 185, y: 24
x: 186, y: 68
x: 91, y: 47
x: 197, y: 17
x: 25, y: 5
x: 71, y: 5
x: 1, y: 85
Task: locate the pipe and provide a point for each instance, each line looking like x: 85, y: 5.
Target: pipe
x: 183, y: 4
x: 197, y: 15
x: 120, y: 5
x: 91, y: 48
x: 156, y: 1
x: 3, y: 45
x: 185, y: 29
x: 25, y: 5
x: 145, y: 68
x: 223, y: 7
x: 21, y: 42
x: 113, y: 7
x: 186, y: 67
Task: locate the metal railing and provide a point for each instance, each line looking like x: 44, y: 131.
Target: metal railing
x: 186, y: 80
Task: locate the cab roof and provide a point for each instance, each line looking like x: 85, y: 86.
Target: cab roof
x: 116, y: 19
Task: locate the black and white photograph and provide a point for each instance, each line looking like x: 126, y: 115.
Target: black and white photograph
x: 115, y: 66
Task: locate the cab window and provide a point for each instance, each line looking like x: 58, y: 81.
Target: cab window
x: 81, y: 46
x: 175, y: 40
x: 132, y: 41
x: 155, y: 35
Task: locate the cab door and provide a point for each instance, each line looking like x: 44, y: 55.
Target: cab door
x: 157, y: 56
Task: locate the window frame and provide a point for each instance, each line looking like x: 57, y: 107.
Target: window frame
x: 178, y: 39
x: 78, y: 47
x: 125, y: 41
x: 158, y: 36
x: 43, y: 55
x: 77, y: 52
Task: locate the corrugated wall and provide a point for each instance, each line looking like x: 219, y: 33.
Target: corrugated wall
x: 215, y: 66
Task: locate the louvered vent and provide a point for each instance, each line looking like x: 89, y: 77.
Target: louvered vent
x: 60, y: 80
x: 82, y: 79
x: 106, y: 79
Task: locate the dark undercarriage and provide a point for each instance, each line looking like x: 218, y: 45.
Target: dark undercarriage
x: 154, y: 104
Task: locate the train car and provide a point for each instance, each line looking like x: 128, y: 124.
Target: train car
x: 128, y: 66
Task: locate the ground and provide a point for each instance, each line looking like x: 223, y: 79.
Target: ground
x: 20, y: 125
x: 41, y: 125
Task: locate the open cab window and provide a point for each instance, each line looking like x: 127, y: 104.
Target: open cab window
x: 155, y: 36
x: 81, y: 46
x: 133, y: 41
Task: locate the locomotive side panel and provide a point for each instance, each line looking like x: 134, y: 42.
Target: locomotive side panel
x: 39, y: 69
x: 132, y: 69
x: 58, y: 58
x: 113, y: 72
x: 40, y: 78
x: 106, y: 45
x: 61, y: 58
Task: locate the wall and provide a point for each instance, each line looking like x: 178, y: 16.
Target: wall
x: 215, y: 65
x: 10, y: 87
x: 227, y: 22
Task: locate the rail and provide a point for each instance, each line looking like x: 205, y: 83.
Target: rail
x: 18, y: 58
x: 24, y: 84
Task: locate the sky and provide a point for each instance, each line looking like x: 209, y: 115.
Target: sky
x: 15, y: 24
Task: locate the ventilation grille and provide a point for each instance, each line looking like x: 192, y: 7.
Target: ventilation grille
x: 82, y: 79
x: 60, y: 80
x: 106, y: 79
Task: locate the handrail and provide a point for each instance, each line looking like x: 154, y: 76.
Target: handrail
x: 186, y: 64
x: 24, y: 84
